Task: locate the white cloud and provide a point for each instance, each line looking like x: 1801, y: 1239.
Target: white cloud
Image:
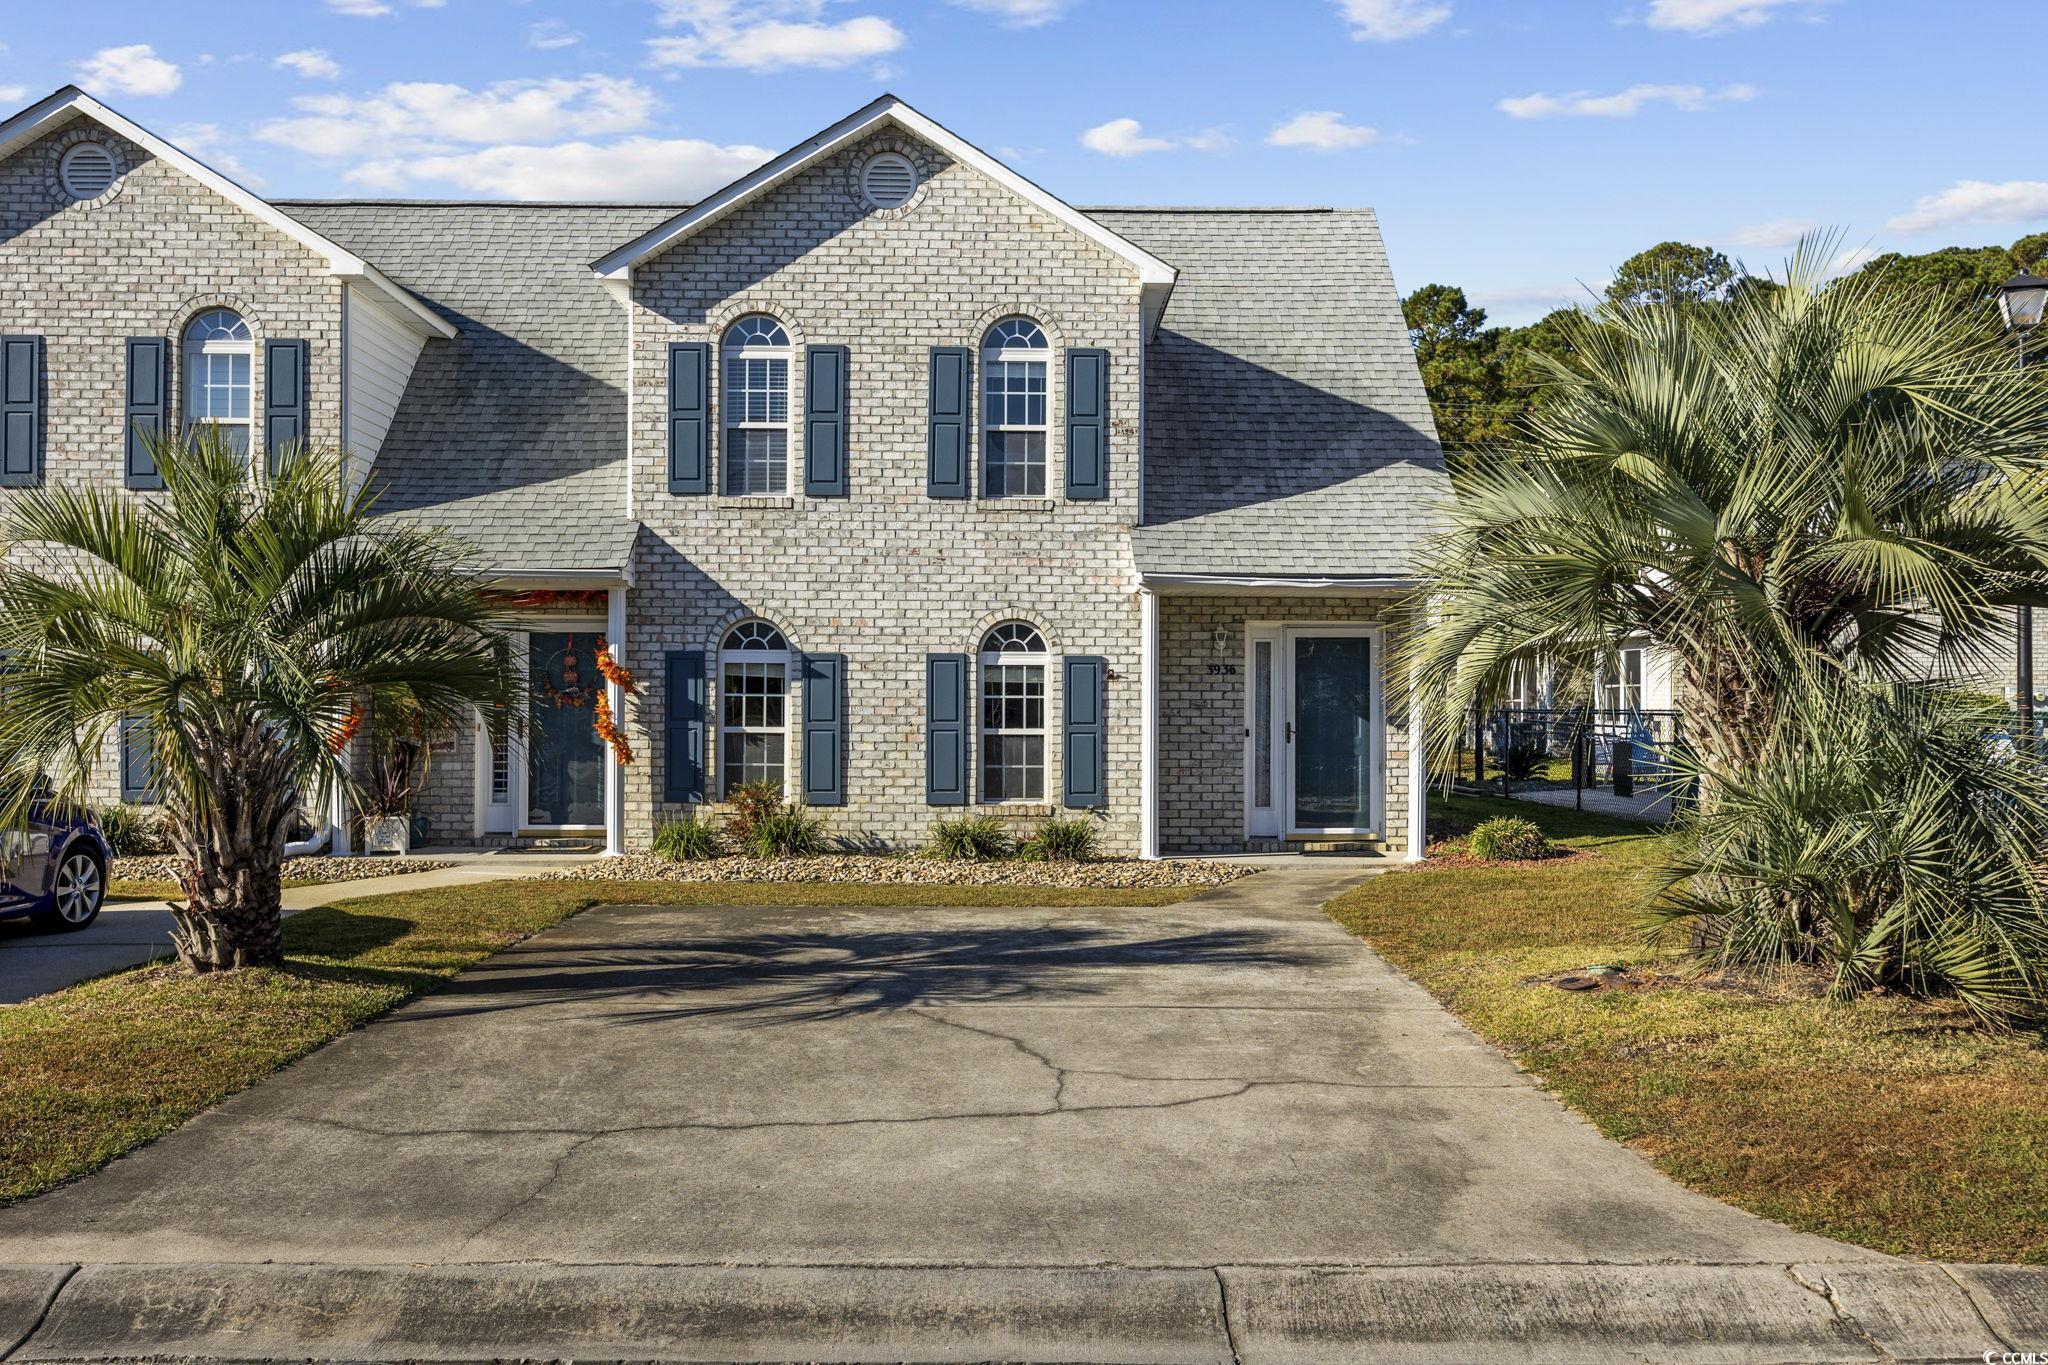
x: 10, y: 94
x: 1779, y: 232
x: 131, y: 70
x: 1127, y: 137
x: 422, y: 116
x: 359, y: 9
x: 549, y: 34
x: 210, y: 143
x: 1718, y: 16
x: 768, y: 35
x: 312, y: 63
x: 632, y: 168
x: 1322, y: 130
x: 1019, y: 13
x: 1851, y: 260
x: 1976, y: 201
x: 1387, y: 21
x: 1624, y: 103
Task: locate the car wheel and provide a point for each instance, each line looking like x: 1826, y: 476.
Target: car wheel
x: 80, y: 891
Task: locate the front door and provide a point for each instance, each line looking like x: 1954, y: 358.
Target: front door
x: 1330, y: 740
x: 565, y: 758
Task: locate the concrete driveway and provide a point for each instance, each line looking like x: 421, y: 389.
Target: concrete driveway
x: 1211, y: 1130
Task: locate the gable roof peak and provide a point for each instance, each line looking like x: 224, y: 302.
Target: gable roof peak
x: 1155, y: 277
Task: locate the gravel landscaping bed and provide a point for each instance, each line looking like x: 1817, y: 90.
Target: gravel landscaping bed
x: 1102, y: 872
x: 309, y: 869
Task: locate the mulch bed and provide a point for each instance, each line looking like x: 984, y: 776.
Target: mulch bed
x: 1118, y: 873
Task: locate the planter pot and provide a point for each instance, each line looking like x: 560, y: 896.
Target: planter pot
x: 388, y: 834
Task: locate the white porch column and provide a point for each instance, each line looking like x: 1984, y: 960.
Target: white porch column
x: 1418, y: 780
x: 1148, y: 724
x: 337, y: 819
x: 615, y: 771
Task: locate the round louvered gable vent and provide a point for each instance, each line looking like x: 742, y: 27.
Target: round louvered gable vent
x: 87, y: 171
x: 888, y: 181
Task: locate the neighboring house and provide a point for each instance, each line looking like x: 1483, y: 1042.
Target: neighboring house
x: 888, y: 476
x: 1638, y: 678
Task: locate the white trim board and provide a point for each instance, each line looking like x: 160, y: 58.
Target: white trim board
x: 55, y: 110
x: 1155, y: 277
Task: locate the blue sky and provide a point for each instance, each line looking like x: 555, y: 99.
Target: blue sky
x: 1520, y: 148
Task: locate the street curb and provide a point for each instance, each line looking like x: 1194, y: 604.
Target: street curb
x: 1582, y: 1314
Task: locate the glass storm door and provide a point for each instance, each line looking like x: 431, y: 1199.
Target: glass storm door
x: 1330, y: 682
x: 565, y: 758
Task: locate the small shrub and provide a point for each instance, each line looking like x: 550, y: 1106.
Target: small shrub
x: 1525, y: 760
x: 751, y: 802
x: 786, y: 832
x: 1061, y: 839
x: 132, y: 832
x: 971, y: 839
x: 1509, y: 838
x: 688, y: 840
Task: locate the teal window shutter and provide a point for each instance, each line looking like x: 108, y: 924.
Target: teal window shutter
x: 147, y: 406
x: 21, y: 411
x: 951, y: 416
x: 824, y: 762
x: 683, y: 727
x: 1087, y: 423
x: 1082, y: 755
x: 138, y: 763
x: 689, y: 417
x: 284, y: 397
x: 825, y: 377
x: 945, y: 729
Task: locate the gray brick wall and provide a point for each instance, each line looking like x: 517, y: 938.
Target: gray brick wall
x: 886, y: 575
x: 141, y: 261
x: 1202, y: 713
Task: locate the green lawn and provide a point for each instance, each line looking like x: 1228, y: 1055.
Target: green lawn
x: 90, y: 1072
x: 1890, y: 1124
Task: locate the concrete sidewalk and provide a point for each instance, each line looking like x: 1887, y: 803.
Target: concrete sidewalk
x: 1219, y: 1130
x: 132, y: 933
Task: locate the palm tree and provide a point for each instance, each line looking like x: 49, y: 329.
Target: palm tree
x: 1842, y: 471
x: 249, y: 624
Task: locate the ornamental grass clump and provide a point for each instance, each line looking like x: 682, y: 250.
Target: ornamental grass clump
x: 790, y: 832
x: 1892, y: 840
x: 971, y: 839
x: 688, y: 840
x: 1061, y: 839
x: 1509, y: 838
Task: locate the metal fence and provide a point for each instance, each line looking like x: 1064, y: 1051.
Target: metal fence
x: 1517, y: 750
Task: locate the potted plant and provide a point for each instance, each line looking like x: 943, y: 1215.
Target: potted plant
x: 397, y: 771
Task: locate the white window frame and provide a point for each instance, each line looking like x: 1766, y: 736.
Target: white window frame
x: 197, y: 351
x: 731, y: 421
x: 993, y: 355
x: 731, y: 656
x: 1006, y: 658
x: 1615, y: 691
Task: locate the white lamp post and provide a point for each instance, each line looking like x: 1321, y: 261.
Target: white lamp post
x: 2021, y: 302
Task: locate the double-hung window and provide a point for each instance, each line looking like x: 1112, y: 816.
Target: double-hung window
x: 1624, y: 686
x: 1013, y: 669
x: 220, y: 354
x: 1015, y: 358
x: 756, y: 400
x: 753, y: 686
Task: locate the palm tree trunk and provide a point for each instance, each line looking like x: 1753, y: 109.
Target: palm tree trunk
x: 234, y: 859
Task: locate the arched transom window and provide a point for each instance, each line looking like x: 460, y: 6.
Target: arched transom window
x: 1013, y: 668
x: 1015, y: 358
x: 220, y: 354
x: 757, y: 359
x: 753, y: 687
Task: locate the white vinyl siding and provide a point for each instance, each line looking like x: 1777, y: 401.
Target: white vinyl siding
x: 381, y: 354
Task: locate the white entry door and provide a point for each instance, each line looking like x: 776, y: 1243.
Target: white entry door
x: 1314, y: 756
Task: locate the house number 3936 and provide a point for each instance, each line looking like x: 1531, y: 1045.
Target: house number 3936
x: 1222, y: 670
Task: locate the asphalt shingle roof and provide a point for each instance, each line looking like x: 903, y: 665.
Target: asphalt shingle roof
x: 514, y: 433
x: 1287, y: 431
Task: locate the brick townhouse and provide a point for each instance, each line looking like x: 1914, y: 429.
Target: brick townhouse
x: 890, y: 477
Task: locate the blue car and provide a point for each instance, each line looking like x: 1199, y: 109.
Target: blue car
x: 55, y: 871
